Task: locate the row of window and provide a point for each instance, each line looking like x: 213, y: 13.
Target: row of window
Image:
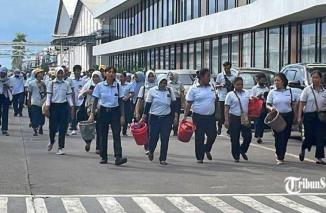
x: 152, y: 14
x: 264, y: 48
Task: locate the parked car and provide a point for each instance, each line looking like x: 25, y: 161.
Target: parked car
x: 186, y: 77
x: 249, y: 76
x: 298, y: 76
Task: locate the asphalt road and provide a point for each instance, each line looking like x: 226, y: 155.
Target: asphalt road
x: 31, y: 178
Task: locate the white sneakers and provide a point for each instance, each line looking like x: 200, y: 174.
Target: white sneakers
x: 60, y: 152
x: 73, y: 132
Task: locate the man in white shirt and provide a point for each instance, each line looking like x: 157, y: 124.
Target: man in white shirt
x: 18, y: 92
x: 224, y: 84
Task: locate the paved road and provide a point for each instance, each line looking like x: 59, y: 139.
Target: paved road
x: 30, y: 175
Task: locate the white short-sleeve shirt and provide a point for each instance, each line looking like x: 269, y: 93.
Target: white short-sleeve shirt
x: 220, y: 80
x: 17, y: 84
x: 161, y: 101
x: 202, y: 98
x: 38, y: 92
x: 108, y: 95
x: 77, y: 85
x: 232, y: 101
x: 308, y: 98
x: 281, y: 99
x: 59, y: 91
x: 258, y: 90
x: 127, y: 88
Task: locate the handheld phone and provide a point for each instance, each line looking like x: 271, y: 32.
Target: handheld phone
x: 92, y: 87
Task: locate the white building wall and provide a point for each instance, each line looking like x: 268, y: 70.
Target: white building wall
x: 254, y: 15
x: 85, y: 26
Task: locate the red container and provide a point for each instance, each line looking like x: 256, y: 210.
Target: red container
x: 185, y: 131
x: 140, y: 133
x: 255, y: 108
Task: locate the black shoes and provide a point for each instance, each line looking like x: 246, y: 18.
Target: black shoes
x: 120, y: 161
x: 103, y: 161
x: 200, y: 161
x: 244, y: 156
x: 302, y: 154
x: 320, y: 162
x: 209, y: 156
x: 219, y: 131
x: 40, y: 131
x: 259, y: 141
x: 5, y: 133
x: 164, y: 163
x: 151, y: 156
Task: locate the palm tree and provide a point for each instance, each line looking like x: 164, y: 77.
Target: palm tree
x: 18, y: 51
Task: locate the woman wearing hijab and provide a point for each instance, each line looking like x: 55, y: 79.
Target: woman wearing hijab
x: 178, y: 90
x: 86, y: 94
x: 160, y: 109
x: 139, y: 80
x: 59, y: 95
x: 5, y: 94
x: 150, y: 82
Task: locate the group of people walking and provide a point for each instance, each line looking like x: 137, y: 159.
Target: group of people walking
x: 102, y: 97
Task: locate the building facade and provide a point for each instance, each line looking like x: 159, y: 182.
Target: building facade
x: 191, y: 34
x: 76, y: 33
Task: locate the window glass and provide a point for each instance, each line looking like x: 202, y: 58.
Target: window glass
x: 162, y: 59
x: 220, y: 5
x: 206, y: 54
x: 211, y: 6
x: 295, y: 74
x: 188, y: 10
x: 246, y: 50
x: 286, y: 55
x: 308, y: 41
x: 185, y: 56
x: 225, y: 49
x: 165, y: 12
x: 235, y: 51
x: 167, y: 57
x: 198, y: 55
x: 170, y: 12
x: 231, y: 4
x: 274, y: 48
x: 155, y: 14
x: 172, y: 57
x: 191, y: 55
x: 215, y: 61
x: 196, y: 7
x: 259, y: 48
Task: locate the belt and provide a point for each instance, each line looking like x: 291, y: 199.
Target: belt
x: 110, y: 109
x: 159, y: 116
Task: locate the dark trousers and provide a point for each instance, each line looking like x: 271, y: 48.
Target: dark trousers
x: 177, y: 110
x: 260, y: 125
x: 159, y: 127
x: 110, y: 117
x: 205, y: 124
x: 74, y: 121
x: 58, y: 121
x: 314, y: 131
x: 37, y: 117
x: 235, y: 129
x: 29, y: 114
x: 222, y: 119
x: 18, y: 103
x: 128, y: 115
x: 4, y: 109
x: 281, y: 138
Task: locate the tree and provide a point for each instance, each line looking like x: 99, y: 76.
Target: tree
x: 18, y: 51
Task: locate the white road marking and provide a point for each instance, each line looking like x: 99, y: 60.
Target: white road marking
x: 254, y: 204
x: 29, y: 205
x: 220, y: 204
x: 40, y: 206
x: 291, y: 204
x: 147, y: 205
x: 317, y: 200
x: 110, y: 205
x: 183, y: 205
x: 3, y: 204
x: 73, y: 205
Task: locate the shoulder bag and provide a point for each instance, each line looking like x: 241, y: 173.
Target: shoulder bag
x: 244, y: 116
x: 321, y: 114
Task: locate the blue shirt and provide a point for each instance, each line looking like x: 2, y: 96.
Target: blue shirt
x: 108, y: 95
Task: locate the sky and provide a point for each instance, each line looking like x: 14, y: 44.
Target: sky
x: 35, y: 18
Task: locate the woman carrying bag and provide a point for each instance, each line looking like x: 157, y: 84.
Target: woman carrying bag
x: 313, y: 106
x: 160, y: 110
x: 282, y: 100
x: 236, y: 119
x: 201, y: 98
x: 86, y: 94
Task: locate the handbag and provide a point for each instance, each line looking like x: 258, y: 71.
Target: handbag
x: 321, y: 114
x: 244, y: 116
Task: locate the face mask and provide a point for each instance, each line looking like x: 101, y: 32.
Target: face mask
x: 151, y: 81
